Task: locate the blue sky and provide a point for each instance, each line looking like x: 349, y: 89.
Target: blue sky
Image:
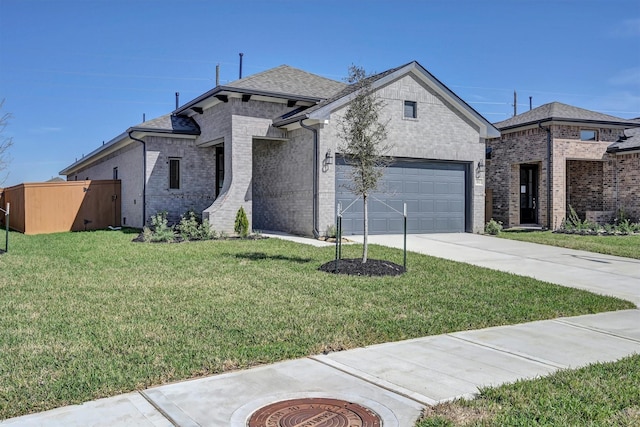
x: 75, y: 73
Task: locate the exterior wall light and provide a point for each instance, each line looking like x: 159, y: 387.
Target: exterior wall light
x: 328, y: 158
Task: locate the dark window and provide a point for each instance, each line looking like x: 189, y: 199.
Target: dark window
x: 410, y: 109
x: 219, y: 169
x: 115, y: 173
x: 174, y: 173
x: 588, y: 135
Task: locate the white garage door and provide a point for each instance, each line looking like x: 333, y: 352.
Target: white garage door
x: 435, y: 194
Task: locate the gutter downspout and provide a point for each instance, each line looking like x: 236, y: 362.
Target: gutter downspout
x: 316, y: 233
x: 548, y: 129
x: 144, y: 177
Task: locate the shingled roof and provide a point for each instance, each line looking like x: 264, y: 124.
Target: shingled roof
x: 629, y: 142
x: 289, y: 81
x: 560, y: 112
x: 346, y: 90
x: 169, y: 123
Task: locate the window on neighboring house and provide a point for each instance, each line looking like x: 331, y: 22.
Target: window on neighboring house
x: 115, y: 173
x: 410, y: 110
x: 588, y: 135
x: 174, y: 173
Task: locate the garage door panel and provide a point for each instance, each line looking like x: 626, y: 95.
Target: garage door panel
x: 427, y: 206
x: 411, y: 187
x: 435, y: 194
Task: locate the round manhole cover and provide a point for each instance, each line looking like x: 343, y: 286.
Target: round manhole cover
x: 314, y: 412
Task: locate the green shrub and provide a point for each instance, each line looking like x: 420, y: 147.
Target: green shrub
x: 241, y: 225
x: 625, y: 226
x: 160, y: 230
x: 331, y: 231
x: 192, y: 228
x: 493, y: 227
x: 573, y: 223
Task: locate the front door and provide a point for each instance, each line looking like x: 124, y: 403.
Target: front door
x: 528, y: 194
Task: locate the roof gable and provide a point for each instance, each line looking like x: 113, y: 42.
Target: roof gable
x: 325, y: 108
x: 557, y: 111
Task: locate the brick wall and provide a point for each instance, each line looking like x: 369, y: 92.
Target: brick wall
x: 586, y: 161
x: 283, y: 183
x: 584, y: 186
x: 197, y: 177
x: 438, y: 133
x: 236, y: 124
x: 503, y: 172
x: 627, y: 170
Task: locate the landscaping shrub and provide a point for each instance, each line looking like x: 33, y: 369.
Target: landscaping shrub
x: 574, y: 225
x: 493, y: 227
x: 160, y: 230
x: 241, y: 225
x: 192, y: 228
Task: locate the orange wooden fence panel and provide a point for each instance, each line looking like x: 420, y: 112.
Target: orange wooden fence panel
x: 51, y: 207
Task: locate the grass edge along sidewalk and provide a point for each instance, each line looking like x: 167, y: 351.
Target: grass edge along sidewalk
x: 601, y: 394
x: 90, y: 315
x: 623, y: 245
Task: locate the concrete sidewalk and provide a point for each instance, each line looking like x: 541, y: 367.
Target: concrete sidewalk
x: 597, y: 273
x: 396, y: 380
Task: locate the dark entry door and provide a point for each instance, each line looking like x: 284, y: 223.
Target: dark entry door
x: 528, y: 194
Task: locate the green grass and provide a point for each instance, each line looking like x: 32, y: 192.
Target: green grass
x: 605, y: 394
x: 89, y: 315
x: 625, y: 246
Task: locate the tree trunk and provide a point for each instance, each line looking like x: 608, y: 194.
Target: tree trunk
x: 365, y: 244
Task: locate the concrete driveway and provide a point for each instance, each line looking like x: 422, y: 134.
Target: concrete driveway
x: 601, y: 274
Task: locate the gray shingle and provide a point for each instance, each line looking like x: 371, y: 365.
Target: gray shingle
x: 289, y: 80
x: 559, y: 111
x: 630, y: 141
x: 346, y: 90
x: 170, y: 124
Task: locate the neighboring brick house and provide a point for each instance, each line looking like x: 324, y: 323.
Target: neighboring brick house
x: 269, y: 142
x: 556, y: 156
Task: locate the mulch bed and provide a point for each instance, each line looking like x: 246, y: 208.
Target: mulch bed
x: 355, y: 267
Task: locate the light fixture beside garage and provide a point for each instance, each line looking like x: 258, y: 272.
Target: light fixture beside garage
x: 328, y: 158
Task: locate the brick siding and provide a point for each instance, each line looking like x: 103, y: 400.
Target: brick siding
x: 582, y: 173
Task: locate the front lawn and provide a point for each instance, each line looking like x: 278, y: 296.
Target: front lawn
x: 89, y: 315
x: 625, y: 246
x: 604, y: 394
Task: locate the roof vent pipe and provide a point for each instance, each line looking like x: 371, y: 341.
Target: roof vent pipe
x: 144, y: 117
x: 217, y: 74
x: 240, y: 73
x: 530, y: 103
x: 177, y: 99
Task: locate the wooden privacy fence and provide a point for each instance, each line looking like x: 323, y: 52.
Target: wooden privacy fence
x: 50, y: 207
